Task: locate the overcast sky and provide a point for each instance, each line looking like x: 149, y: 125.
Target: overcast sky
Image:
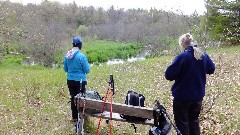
x: 186, y: 6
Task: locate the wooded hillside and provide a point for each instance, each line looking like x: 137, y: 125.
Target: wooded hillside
x: 43, y: 31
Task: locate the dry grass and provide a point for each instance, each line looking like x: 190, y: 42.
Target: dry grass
x: 35, y: 101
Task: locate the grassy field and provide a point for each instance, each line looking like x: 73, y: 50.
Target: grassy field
x: 34, y: 100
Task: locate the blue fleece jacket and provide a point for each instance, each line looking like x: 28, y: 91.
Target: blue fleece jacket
x: 76, y: 65
x: 189, y: 75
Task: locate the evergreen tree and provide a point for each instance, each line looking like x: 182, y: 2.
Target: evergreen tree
x: 224, y: 20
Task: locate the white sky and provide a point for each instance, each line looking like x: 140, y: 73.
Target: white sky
x: 186, y: 6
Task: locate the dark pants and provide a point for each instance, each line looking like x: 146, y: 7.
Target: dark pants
x: 74, y: 89
x: 186, y: 115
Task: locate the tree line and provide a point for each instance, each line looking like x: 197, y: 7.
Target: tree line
x: 44, y: 31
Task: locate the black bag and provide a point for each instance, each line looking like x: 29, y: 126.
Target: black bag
x: 92, y: 94
x: 135, y: 99
x: 161, y: 124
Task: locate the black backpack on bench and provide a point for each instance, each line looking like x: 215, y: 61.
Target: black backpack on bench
x: 135, y: 99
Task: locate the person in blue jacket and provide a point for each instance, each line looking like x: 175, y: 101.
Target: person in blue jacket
x: 76, y: 66
x: 188, y: 70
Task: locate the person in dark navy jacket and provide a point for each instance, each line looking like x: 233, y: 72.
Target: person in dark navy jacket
x: 188, y: 70
x: 76, y: 66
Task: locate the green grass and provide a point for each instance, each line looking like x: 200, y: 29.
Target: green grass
x: 34, y: 100
x: 97, y: 51
x: 101, y: 51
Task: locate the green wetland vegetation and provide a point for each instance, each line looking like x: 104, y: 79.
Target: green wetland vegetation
x: 34, y: 99
x: 102, y: 51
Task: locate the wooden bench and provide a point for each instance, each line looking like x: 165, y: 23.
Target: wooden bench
x: 117, y: 109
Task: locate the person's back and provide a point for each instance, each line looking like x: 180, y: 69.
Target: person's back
x: 189, y: 75
x: 76, y: 66
x: 188, y: 70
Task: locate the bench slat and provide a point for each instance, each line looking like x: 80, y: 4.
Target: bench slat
x: 143, y: 112
x: 116, y: 117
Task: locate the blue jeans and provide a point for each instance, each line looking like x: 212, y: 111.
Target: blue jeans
x: 186, y: 115
x: 74, y: 89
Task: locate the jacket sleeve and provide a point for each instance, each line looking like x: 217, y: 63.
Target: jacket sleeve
x: 173, y: 71
x: 65, y: 65
x: 85, y: 65
x: 210, y: 65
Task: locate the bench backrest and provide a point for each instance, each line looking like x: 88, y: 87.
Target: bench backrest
x: 137, y: 111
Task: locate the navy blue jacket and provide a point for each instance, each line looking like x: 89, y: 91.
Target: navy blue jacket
x: 189, y: 75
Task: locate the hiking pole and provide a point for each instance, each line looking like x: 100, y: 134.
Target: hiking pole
x: 103, y: 105
x: 78, y: 121
x: 83, y: 114
x: 77, y: 124
x: 168, y: 118
x: 84, y: 104
x: 163, y: 110
x: 82, y: 118
x: 111, y: 82
x: 111, y: 113
x: 81, y: 94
